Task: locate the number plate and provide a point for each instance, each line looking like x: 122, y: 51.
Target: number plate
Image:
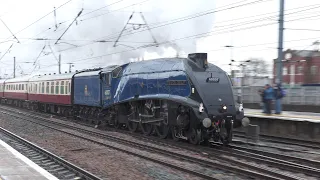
x: 213, y: 80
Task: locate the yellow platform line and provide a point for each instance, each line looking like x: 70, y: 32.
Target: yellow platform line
x: 284, y: 116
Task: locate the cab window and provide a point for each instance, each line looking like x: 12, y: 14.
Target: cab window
x: 108, y: 79
x: 117, y: 72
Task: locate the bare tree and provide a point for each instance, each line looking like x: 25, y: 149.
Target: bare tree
x: 256, y: 68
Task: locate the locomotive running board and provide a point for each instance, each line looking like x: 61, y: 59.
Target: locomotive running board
x: 149, y: 121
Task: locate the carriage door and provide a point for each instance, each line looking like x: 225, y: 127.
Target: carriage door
x: 106, y: 89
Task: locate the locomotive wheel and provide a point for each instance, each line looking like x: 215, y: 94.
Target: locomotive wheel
x: 163, y: 130
x: 133, y: 126
x: 175, y: 132
x: 146, y: 128
x: 117, y: 125
x: 194, y: 137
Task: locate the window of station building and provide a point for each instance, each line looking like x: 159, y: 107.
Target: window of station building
x: 313, y: 70
x: 47, y: 88
x: 57, y: 87
x: 52, y: 88
x: 285, y: 71
x: 62, y: 87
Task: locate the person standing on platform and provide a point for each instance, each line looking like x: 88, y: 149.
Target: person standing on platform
x: 269, y: 95
x: 263, y: 100
x: 278, y: 95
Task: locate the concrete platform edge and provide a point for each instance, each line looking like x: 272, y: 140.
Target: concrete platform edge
x: 42, y: 171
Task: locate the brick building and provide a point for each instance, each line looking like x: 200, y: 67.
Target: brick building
x: 300, y: 67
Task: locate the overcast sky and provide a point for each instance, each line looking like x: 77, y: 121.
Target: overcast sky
x: 251, y: 28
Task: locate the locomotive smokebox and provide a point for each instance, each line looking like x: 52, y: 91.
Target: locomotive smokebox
x: 200, y: 59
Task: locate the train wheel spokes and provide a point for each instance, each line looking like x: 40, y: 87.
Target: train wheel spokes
x: 194, y: 136
x: 175, y: 133
x: 146, y: 128
x: 133, y: 126
x: 163, y: 131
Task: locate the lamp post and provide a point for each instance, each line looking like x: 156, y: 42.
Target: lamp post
x: 242, y: 64
x: 231, y: 57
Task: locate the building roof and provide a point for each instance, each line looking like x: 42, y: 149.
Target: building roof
x: 305, y: 53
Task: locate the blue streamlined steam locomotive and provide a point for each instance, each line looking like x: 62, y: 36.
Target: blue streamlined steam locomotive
x: 187, y: 98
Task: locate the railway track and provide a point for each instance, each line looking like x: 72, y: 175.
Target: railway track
x: 255, y: 171
x: 283, y: 140
x: 57, y: 166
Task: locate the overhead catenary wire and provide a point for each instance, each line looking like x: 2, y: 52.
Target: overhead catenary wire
x: 211, y: 50
x: 269, y: 17
x: 10, y: 30
x: 39, y: 19
x: 6, y: 52
x: 201, y: 35
x: 69, y: 26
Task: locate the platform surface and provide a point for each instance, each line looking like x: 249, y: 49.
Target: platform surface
x: 15, y: 166
x: 285, y: 115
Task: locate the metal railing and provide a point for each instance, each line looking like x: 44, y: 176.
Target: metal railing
x: 294, y: 96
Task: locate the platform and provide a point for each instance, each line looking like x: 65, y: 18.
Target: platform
x: 285, y: 115
x: 15, y: 166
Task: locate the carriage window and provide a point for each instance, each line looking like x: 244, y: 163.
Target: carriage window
x: 52, y: 88
x: 62, y: 87
x: 66, y: 87
x: 22, y: 87
x: 47, y: 88
x: 36, y: 90
x: 69, y: 87
x: 117, y: 72
x: 57, y: 87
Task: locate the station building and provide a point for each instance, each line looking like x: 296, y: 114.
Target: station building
x: 299, y: 67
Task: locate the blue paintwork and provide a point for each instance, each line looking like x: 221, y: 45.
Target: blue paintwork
x: 87, y: 90
x: 148, y: 79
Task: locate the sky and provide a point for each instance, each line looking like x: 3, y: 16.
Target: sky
x: 176, y: 27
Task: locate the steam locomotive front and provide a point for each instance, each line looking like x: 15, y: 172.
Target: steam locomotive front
x: 211, y: 87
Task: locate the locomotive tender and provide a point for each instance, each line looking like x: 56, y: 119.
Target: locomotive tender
x: 186, y: 98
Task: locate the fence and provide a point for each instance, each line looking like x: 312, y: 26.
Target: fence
x: 294, y: 96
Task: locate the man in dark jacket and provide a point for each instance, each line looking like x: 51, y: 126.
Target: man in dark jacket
x: 278, y: 96
x: 263, y: 101
x: 269, y: 95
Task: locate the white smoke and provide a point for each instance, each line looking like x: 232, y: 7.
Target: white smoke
x: 83, y: 32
